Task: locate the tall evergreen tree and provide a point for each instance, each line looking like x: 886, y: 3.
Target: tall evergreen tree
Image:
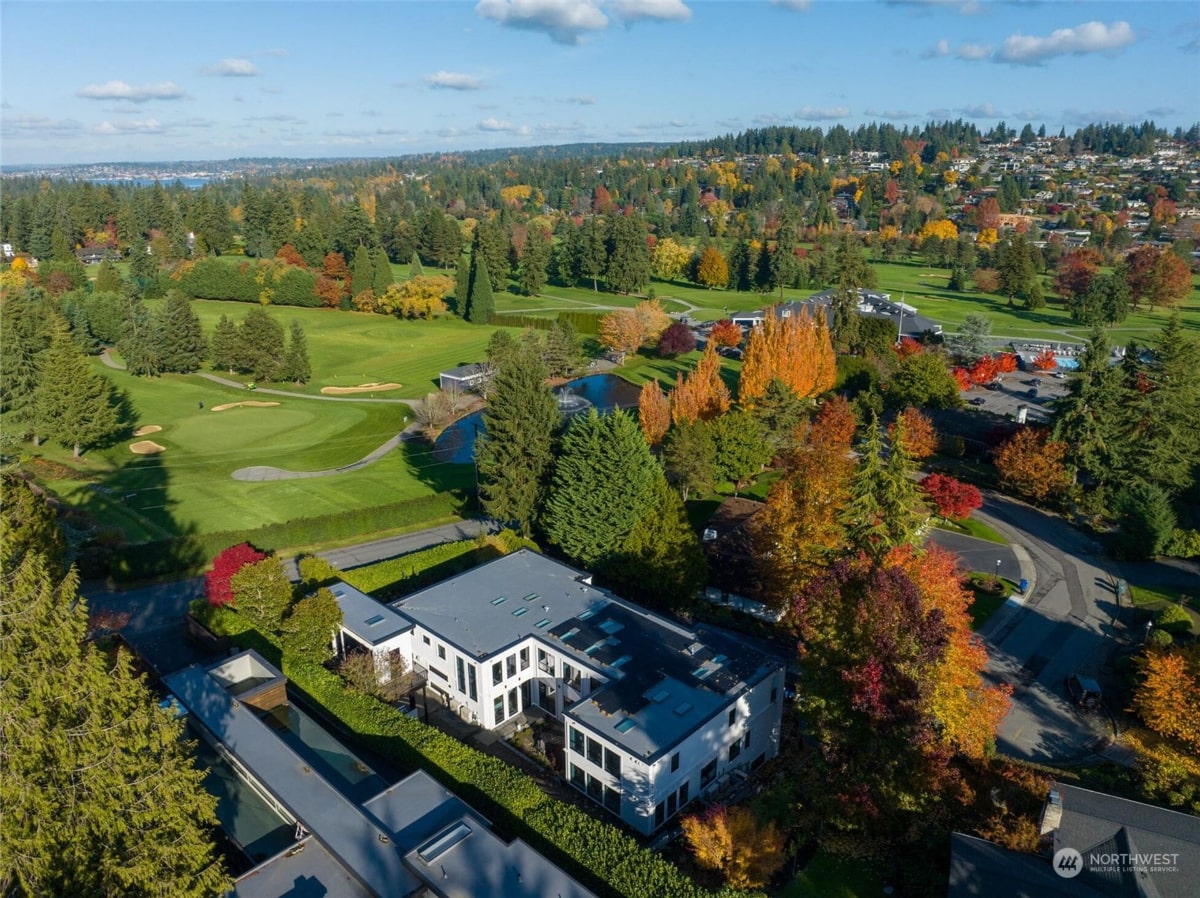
x: 593, y: 254
x: 514, y: 454
x: 535, y: 262
x: 490, y: 245
x: 141, y: 341
x: 480, y: 304
x: 562, y: 352
x: 884, y: 508
x: 182, y: 338
x: 415, y: 270
x: 784, y: 265
x: 1087, y: 419
x: 296, y: 366
x: 108, y: 279
x: 381, y: 274
x: 24, y: 336
x: 362, y: 273
x: 99, y: 794
x: 74, y: 405
x: 628, y: 265
x: 260, y: 345
x: 603, y: 485
x: 225, y: 346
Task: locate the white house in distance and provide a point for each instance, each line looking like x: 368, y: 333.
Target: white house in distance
x: 655, y: 714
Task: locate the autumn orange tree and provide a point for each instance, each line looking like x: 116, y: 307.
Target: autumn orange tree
x: 628, y: 330
x: 654, y: 412
x: 1032, y: 465
x: 800, y: 530
x: 1045, y: 360
x: 920, y: 437
x: 701, y: 395
x: 796, y: 350
x: 731, y: 840
x: 1168, y: 701
x: 725, y: 333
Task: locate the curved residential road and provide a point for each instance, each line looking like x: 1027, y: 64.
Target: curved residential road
x: 1069, y: 622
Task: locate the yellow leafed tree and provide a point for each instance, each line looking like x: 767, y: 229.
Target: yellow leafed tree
x: 732, y: 841
x: 796, y: 350
x: 702, y: 395
x: 654, y: 412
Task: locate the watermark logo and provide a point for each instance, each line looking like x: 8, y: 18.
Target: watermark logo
x: 1068, y: 863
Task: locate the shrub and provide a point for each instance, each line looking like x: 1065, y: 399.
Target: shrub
x: 1160, y: 638
x: 1174, y: 619
x: 309, y: 628
x: 217, y: 582
x: 1183, y: 544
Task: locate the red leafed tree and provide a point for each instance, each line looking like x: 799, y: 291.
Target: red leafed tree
x: 985, y: 370
x: 987, y: 214
x: 952, y: 498
x: 1171, y: 281
x: 1138, y: 269
x: 217, y: 582
x: 602, y: 203
x: 335, y: 266
x: 330, y: 291
x: 725, y: 333
x: 1076, y: 270
x: 962, y: 377
x: 288, y: 254
x: 1006, y: 362
x: 676, y: 340
x: 908, y: 346
x: 1045, y: 360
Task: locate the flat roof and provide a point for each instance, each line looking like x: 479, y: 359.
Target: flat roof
x: 371, y: 621
x: 306, y: 865
x: 358, y: 843
x: 495, y: 605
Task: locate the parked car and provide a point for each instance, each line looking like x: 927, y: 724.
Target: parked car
x: 1032, y: 394
x: 978, y: 400
x: 1084, y: 692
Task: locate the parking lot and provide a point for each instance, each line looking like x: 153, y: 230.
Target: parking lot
x: 1035, y: 390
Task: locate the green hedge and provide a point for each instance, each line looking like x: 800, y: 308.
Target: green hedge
x: 192, y: 553
x: 215, y: 278
x: 522, y: 321
x: 582, y: 322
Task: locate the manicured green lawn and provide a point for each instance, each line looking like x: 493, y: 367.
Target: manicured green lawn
x: 188, y: 487
x: 351, y: 348
x: 972, y: 527
x: 984, y: 603
x: 827, y: 876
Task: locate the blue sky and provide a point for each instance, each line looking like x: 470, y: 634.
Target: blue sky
x: 106, y: 81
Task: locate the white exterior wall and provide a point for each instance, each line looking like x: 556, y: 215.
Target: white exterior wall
x: 482, y: 710
x: 644, y: 786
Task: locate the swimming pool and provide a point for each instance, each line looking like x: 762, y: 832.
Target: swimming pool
x: 340, y: 767
x: 1066, y: 363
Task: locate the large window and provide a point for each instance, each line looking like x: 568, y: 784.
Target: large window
x: 577, y: 778
x: 472, y: 685
x: 683, y: 794
x: 612, y: 762
x: 708, y: 773
x: 674, y: 762
x: 524, y: 658
x: 442, y: 652
x: 612, y: 800
x: 734, y: 750
x: 462, y: 675
x: 732, y: 716
x: 511, y: 663
x: 577, y: 740
x: 595, y: 788
x: 498, y: 707
x: 660, y: 814
x: 497, y: 674
x: 595, y: 751
x: 513, y: 707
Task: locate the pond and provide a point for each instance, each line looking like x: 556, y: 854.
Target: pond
x: 456, y: 444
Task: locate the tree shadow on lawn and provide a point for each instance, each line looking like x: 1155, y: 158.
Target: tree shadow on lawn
x: 437, y: 475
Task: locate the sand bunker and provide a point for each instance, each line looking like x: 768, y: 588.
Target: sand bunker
x: 146, y: 447
x: 361, y: 388
x: 147, y: 430
x: 249, y: 404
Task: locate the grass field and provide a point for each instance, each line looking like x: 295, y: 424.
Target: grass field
x: 351, y: 348
x: 188, y: 487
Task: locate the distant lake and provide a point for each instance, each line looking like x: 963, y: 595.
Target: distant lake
x: 456, y: 444
x: 189, y: 183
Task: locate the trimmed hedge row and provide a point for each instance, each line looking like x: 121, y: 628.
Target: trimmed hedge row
x: 193, y: 553
x: 582, y: 322
x: 521, y: 321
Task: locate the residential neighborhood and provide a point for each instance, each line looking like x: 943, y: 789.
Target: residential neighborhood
x: 600, y: 450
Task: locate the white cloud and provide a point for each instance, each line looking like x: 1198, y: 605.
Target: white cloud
x: 1090, y: 37
x: 30, y: 125
x: 453, y: 81
x: 973, y: 51
x: 821, y: 113
x: 938, y: 50
x: 232, y: 68
x: 138, y: 126
x: 651, y: 10
x: 564, y: 20
x: 982, y: 110
x: 495, y: 124
x: 584, y: 100
x: 119, y: 90
x: 794, y: 5
x: 889, y: 114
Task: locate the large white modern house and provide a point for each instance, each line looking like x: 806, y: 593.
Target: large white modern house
x: 655, y: 714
